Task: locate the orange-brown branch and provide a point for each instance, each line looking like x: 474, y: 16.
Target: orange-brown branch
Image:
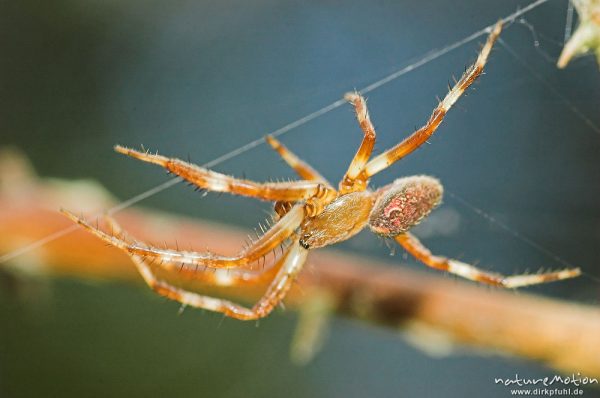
x: 559, y: 334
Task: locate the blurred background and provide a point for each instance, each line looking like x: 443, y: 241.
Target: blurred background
x: 200, y: 79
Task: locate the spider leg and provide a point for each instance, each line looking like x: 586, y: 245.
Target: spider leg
x: 207, y: 179
x: 412, y: 245
x: 271, y: 239
x: 351, y: 182
x: 303, y: 169
x: 214, y: 277
x: 420, y: 136
x: 290, y: 265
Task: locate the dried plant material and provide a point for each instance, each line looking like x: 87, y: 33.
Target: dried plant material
x: 586, y: 38
x: 446, y: 314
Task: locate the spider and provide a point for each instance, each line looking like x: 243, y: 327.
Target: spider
x: 310, y: 213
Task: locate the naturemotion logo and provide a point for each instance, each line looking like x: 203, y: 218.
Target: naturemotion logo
x: 556, y: 385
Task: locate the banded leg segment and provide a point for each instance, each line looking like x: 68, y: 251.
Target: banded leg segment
x: 420, y: 136
x: 272, y: 239
x: 351, y: 182
x: 211, y: 277
x: 207, y: 179
x: 303, y: 169
x: 412, y: 245
x: 289, y: 267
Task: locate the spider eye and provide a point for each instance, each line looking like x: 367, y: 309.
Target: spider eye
x: 304, y: 241
x: 403, y: 204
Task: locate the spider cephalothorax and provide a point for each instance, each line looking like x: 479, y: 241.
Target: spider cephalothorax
x: 389, y: 211
x: 311, y: 213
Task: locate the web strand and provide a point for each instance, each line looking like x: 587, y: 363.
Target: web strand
x: 545, y: 82
x: 568, y: 22
x: 299, y: 122
x: 516, y: 234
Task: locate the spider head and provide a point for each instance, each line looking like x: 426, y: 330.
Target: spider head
x: 403, y: 204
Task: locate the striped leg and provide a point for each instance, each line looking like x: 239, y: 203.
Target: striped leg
x: 203, y: 178
x: 419, y: 137
x: 303, y: 169
x: 272, y: 239
x: 289, y: 267
x: 212, y: 277
x: 412, y: 245
x: 351, y: 182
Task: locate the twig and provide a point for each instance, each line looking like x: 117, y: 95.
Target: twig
x: 431, y: 309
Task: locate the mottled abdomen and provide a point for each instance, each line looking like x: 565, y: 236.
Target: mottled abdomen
x: 403, y: 204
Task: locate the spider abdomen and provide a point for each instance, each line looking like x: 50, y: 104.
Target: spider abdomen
x: 343, y: 218
x: 403, y: 204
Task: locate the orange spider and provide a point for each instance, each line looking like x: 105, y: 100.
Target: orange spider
x: 311, y: 214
